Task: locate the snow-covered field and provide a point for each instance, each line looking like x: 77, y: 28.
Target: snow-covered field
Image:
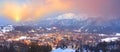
x: 63, y: 50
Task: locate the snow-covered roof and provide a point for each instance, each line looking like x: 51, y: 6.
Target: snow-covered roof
x: 102, y: 35
x: 1, y: 35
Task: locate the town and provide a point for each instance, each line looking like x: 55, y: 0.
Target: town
x: 21, y: 41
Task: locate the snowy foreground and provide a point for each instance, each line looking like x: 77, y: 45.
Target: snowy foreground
x: 67, y: 50
x: 63, y: 50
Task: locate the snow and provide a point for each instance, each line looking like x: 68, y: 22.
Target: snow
x: 68, y: 50
x: 102, y: 35
x: 1, y: 35
x: 110, y: 39
x: 117, y: 34
x: 67, y: 16
x: 58, y: 50
x: 23, y: 37
x: 63, y: 50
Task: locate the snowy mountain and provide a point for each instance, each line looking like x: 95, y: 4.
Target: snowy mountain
x: 86, y: 25
x: 80, y: 23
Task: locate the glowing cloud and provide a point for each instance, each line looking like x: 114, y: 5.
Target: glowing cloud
x: 30, y: 11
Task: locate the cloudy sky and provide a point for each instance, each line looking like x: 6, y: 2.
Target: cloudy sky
x: 34, y: 10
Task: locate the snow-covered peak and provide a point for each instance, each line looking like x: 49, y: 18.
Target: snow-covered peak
x: 67, y: 16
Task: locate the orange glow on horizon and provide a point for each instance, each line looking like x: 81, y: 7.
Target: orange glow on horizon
x: 32, y: 11
x: 14, y: 12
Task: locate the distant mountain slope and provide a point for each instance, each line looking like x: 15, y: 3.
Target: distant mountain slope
x: 89, y: 25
